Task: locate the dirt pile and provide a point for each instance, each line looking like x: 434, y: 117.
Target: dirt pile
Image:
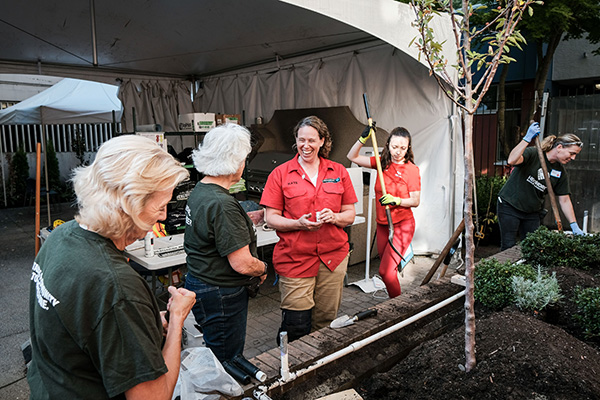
x: 519, y: 356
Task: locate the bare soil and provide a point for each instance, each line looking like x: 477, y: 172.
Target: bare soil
x: 519, y: 356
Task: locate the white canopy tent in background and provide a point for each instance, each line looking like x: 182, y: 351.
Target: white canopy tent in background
x: 400, y: 91
x: 69, y: 101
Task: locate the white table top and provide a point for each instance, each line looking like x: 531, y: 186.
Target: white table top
x: 135, y: 251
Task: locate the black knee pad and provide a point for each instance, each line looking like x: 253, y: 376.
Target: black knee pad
x: 295, y: 323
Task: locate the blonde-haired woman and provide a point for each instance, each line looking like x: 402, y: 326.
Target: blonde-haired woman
x: 95, y: 324
x: 521, y: 199
x: 220, y: 243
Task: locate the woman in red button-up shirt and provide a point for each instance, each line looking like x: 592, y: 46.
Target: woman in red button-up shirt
x: 309, y: 200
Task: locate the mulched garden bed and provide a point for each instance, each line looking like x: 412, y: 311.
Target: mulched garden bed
x: 519, y: 356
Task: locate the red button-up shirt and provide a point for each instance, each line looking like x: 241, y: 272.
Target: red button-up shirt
x: 289, y: 189
x: 400, y: 180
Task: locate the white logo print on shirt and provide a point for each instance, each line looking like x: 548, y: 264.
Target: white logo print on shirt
x: 43, y: 295
x: 540, y: 174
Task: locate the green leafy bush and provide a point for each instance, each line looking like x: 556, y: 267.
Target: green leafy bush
x: 53, y: 167
x: 536, y: 294
x: 588, y: 310
x: 493, y: 281
x: 555, y: 249
x: 17, y: 178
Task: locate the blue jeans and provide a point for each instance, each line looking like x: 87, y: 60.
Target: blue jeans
x: 512, y: 221
x: 222, y: 313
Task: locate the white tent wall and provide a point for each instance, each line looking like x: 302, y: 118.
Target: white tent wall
x: 155, y: 102
x: 400, y: 92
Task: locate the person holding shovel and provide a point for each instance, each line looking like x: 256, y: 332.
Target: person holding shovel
x: 309, y: 200
x: 403, y: 185
x: 521, y: 199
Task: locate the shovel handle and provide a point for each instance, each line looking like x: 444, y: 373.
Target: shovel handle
x: 366, y: 314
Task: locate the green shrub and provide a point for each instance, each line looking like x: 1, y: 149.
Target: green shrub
x: 53, y: 167
x: 588, y: 310
x: 17, y: 177
x: 493, y: 282
x: 535, y: 295
x: 78, y: 146
x: 555, y: 249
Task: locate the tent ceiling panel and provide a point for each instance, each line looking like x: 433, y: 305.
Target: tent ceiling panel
x: 182, y: 38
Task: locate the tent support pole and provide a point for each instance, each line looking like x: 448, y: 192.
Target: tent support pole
x: 2, y: 166
x: 114, y: 124
x: 93, y: 25
x: 37, y: 197
x: 46, y: 171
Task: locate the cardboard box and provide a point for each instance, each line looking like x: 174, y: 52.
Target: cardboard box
x: 196, y: 122
x: 228, y: 118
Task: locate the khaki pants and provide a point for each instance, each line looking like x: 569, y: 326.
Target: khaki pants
x: 323, y: 293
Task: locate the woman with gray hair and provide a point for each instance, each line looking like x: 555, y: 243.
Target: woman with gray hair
x: 96, y: 329
x: 220, y: 243
x: 521, y: 199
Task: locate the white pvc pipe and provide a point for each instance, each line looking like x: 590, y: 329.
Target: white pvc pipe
x: 358, y: 345
x: 283, y: 349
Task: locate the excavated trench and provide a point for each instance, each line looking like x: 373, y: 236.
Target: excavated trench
x: 311, y: 379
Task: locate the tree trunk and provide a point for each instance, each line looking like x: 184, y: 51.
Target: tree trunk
x: 470, y: 246
x: 503, y: 137
x: 544, y: 63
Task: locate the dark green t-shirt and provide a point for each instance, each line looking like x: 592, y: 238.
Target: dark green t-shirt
x: 216, y: 225
x: 95, y: 325
x: 526, y: 186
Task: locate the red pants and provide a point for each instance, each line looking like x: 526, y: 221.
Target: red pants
x: 388, y: 269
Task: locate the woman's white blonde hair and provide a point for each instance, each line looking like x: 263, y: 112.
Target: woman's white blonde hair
x: 223, y: 150
x: 113, y: 190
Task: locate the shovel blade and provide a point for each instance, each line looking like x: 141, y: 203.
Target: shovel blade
x: 340, y: 322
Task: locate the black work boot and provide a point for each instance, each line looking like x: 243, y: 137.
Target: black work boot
x: 295, y: 323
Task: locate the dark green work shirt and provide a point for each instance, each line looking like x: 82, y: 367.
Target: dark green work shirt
x: 95, y: 325
x: 216, y: 225
x: 526, y: 186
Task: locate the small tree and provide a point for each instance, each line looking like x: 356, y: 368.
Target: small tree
x: 78, y: 147
x: 18, y: 174
x: 53, y: 166
x: 551, y: 23
x: 498, y: 36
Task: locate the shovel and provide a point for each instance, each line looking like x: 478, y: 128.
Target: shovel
x: 345, y: 320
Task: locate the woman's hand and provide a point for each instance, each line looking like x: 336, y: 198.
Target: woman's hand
x: 327, y: 216
x: 179, y: 306
x: 307, y: 225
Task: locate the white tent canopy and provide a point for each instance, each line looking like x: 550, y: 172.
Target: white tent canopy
x: 67, y: 102
x: 260, y: 56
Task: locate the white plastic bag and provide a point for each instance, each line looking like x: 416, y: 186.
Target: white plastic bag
x: 202, y: 377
